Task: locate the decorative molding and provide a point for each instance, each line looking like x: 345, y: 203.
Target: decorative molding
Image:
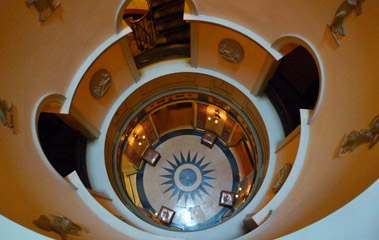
x: 100, y: 83
x: 231, y: 50
x: 343, y: 10
x: 6, y: 114
x: 354, y: 139
x: 283, y: 174
x: 60, y: 225
x: 41, y: 6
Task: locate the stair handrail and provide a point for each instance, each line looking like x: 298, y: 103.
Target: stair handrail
x: 145, y: 36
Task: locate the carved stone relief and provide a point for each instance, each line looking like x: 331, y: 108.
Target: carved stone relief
x: 41, y: 6
x: 343, y: 10
x: 100, y: 83
x: 231, y: 50
x: 354, y: 139
x: 6, y: 114
x: 283, y: 174
x: 60, y: 225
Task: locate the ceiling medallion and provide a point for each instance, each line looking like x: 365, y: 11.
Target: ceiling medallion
x: 100, y: 83
x: 230, y: 50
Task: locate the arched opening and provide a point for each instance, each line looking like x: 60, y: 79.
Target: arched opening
x: 285, y: 44
x: 62, y: 139
x: 159, y: 31
x: 294, y: 86
x: 64, y: 147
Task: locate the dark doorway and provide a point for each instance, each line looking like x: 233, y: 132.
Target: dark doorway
x: 64, y: 147
x: 294, y: 86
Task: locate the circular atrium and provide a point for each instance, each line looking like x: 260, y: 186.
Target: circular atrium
x: 187, y: 119
x: 180, y: 150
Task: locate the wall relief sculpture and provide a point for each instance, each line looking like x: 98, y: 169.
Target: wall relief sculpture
x: 60, y: 225
x: 231, y: 50
x: 6, y: 114
x: 354, y: 139
x: 41, y: 6
x: 283, y: 174
x: 343, y: 10
x: 100, y: 83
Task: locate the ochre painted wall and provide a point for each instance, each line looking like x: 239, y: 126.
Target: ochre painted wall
x: 246, y: 71
x: 37, y: 60
x: 114, y: 61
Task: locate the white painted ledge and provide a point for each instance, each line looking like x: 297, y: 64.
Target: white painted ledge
x: 11, y: 230
x: 228, y: 230
x: 358, y: 219
x: 109, y: 219
x: 86, y: 64
x: 248, y: 33
x: 278, y: 199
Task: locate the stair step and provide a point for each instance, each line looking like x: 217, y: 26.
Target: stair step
x: 182, y: 41
x: 157, y: 3
x: 162, y: 53
x: 172, y: 17
x: 168, y: 31
x: 169, y: 5
x: 170, y: 24
x: 175, y: 37
x: 169, y: 11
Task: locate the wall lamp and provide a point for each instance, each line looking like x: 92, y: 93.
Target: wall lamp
x: 138, y: 139
x: 216, y: 116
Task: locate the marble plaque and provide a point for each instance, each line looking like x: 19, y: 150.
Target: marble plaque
x: 230, y: 50
x: 100, y: 83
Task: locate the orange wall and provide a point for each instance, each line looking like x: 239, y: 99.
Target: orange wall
x: 350, y: 101
x: 285, y: 155
x: 38, y: 60
x: 115, y: 62
x: 246, y: 71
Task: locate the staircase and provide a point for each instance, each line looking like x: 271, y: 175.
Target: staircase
x: 172, y: 34
x: 168, y: 18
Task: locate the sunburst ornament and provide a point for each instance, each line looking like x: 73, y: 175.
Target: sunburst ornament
x: 187, y: 177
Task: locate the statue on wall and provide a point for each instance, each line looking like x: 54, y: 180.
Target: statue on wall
x: 42, y: 5
x: 283, y: 174
x: 231, y: 50
x: 354, y: 139
x: 60, y: 225
x: 6, y: 114
x: 100, y: 83
x: 343, y: 10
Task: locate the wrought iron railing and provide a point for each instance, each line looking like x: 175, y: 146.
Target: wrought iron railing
x: 144, y: 29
